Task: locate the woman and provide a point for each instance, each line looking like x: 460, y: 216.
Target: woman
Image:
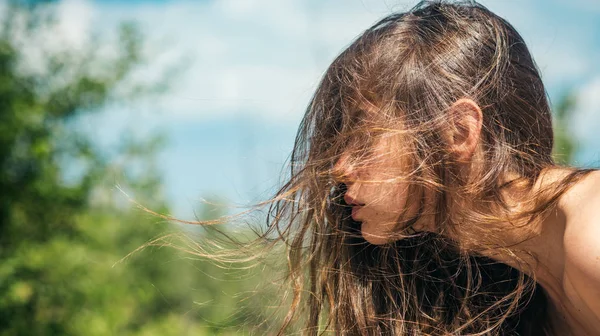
x: 423, y: 197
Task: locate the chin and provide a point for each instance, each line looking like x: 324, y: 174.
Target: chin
x: 375, y: 239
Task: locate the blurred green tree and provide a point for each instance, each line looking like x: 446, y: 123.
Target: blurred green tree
x: 565, y: 143
x: 62, y: 232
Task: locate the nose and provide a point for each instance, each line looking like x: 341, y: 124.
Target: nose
x: 343, y: 170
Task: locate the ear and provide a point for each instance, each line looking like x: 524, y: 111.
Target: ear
x: 466, y: 119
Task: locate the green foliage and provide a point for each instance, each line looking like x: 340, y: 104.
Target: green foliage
x: 565, y: 145
x: 62, y: 236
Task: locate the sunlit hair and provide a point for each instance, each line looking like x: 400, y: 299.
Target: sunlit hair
x: 400, y: 77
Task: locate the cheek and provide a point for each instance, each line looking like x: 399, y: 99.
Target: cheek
x: 389, y: 198
x: 382, y: 214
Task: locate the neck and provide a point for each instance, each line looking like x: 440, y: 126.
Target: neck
x: 535, y: 247
x: 532, y: 246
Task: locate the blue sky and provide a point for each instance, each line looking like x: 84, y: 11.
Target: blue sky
x: 231, y: 117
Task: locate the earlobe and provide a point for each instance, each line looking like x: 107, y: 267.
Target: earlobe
x: 466, y: 118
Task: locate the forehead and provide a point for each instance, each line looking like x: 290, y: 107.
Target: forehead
x: 372, y: 115
x: 371, y: 125
x: 365, y: 108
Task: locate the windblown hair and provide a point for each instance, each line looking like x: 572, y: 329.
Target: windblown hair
x: 402, y: 75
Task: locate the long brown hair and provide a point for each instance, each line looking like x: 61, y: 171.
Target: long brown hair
x: 406, y: 71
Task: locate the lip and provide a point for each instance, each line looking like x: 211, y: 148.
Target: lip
x: 355, y: 211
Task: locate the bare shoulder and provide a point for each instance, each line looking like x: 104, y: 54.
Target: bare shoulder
x: 581, y: 207
x: 581, y: 203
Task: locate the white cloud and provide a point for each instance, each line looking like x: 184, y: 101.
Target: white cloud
x: 265, y: 56
x: 68, y: 29
x: 74, y: 22
x: 587, y: 113
x: 259, y: 57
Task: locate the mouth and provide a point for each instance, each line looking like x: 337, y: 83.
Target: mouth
x: 355, y: 204
x: 355, y: 212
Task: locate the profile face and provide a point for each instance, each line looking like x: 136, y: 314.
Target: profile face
x: 377, y: 190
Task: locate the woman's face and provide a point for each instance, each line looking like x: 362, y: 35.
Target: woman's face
x: 377, y: 190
